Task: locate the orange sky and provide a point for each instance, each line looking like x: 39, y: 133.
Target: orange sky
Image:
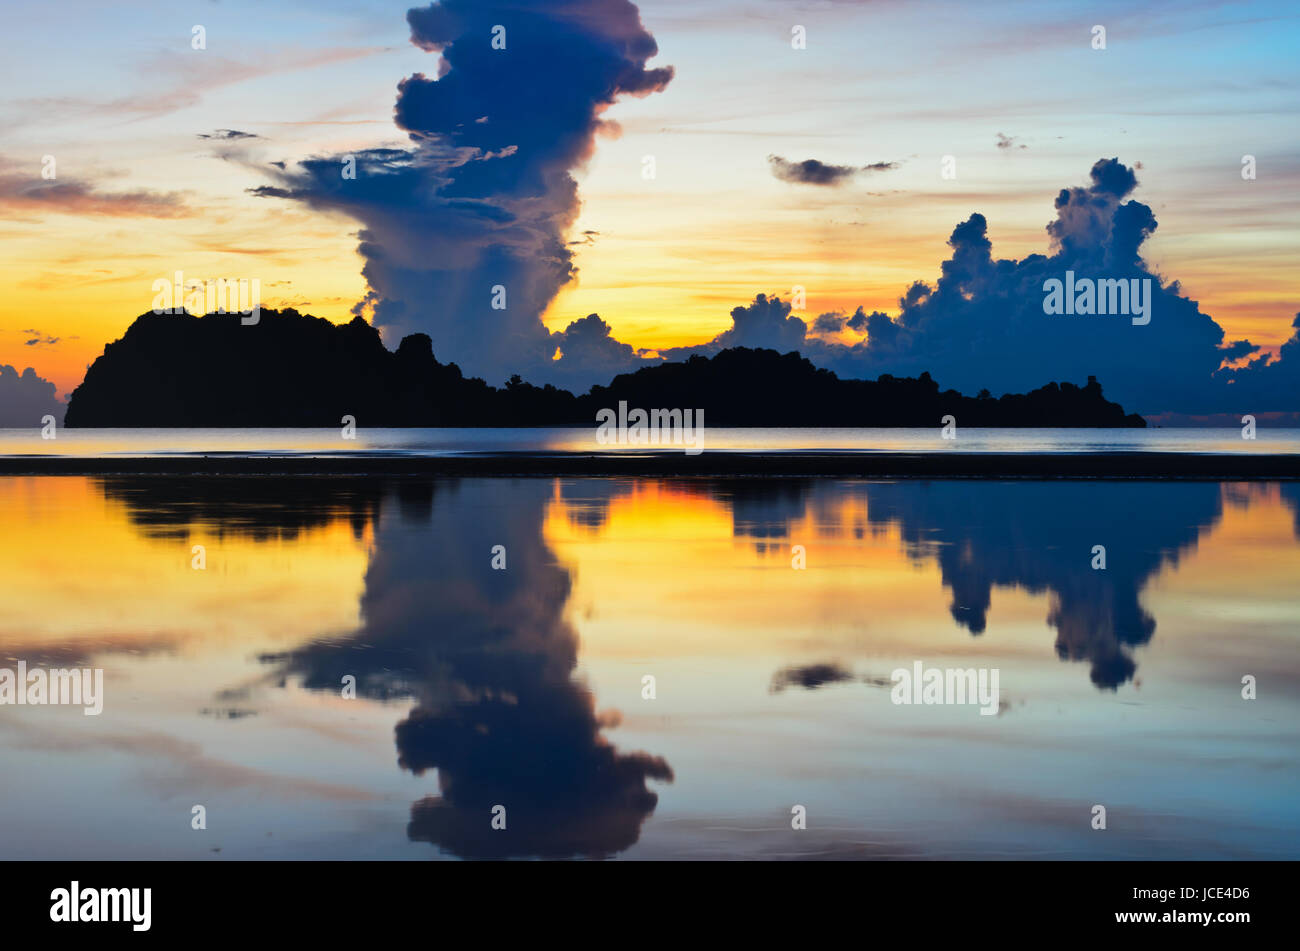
x: 669, y: 257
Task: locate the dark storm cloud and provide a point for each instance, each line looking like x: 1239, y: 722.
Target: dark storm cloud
x: 485, y: 197
x: 982, y: 324
x: 25, y: 398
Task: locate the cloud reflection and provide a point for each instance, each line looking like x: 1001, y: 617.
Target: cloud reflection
x: 490, y: 658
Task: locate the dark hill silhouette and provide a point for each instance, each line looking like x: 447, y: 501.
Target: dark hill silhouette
x: 743, y: 387
x: 291, y: 369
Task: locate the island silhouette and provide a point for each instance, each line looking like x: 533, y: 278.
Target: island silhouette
x: 294, y: 370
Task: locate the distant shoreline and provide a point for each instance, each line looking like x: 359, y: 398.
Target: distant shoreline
x: 921, y: 465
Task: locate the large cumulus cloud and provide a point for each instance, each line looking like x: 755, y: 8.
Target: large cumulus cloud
x: 589, y: 354
x: 484, y: 197
x: 982, y: 324
x: 766, y: 322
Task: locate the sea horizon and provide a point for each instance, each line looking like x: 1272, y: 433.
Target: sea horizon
x: 443, y: 441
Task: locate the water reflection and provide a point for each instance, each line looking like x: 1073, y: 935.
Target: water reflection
x: 1035, y: 536
x: 248, y: 507
x: 487, y: 655
x: 1039, y: 537
x: 488, y: 665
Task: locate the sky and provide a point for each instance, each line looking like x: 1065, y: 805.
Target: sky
x: 162, y: 156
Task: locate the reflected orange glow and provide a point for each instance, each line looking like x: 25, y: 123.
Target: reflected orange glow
x: 75, y: 571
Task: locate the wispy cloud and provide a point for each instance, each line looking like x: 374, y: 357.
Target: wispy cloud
x: 23, y: 194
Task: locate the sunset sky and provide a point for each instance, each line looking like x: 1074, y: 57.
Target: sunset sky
x: 1015, y: 92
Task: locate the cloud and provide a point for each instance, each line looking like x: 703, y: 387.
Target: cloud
x: 814, y: 172
x: 810, y: 171
x: 227, y: 135
x: 177, y: 79
x: 982, y: 323
x: 25, y: 398
x: 466, y: 236
x: 828, y: 324
x: 1267, y: 383
x: 764, y: 323
x: 589, y: 348
x: 39, y: 339
x: 23, y: 193
x: 477, y: 211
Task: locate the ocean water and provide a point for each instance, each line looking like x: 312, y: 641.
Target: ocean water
x: 654, y: 668
x: 149, y: 442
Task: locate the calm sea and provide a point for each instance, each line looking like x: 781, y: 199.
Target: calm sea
x: 145, y: 442
x: 649, y: 668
